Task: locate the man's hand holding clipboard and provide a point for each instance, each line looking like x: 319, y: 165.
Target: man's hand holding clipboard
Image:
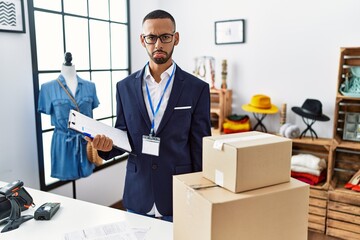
x: 100, y: 142
x: 104, y: 137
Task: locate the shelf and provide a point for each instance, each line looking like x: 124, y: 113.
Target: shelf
x: 220, y: 106
x: 339, y: 96
x: 317, y: 147
x: 309, y: 140
x: 341, y: 189
x: 339, y: 143
x: 215, y: 110
x: 320, y: 186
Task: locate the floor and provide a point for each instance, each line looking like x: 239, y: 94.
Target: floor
x: 319, y: 236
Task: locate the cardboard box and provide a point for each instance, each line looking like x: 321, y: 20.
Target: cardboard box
x: 246, y: 161
x: 205, y: 211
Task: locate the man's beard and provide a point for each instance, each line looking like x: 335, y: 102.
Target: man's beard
x: 163, y: 59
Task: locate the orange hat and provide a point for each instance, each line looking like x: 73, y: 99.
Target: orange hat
x: 260, y: 104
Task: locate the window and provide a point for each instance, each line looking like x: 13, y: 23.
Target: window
x: 97, y: 35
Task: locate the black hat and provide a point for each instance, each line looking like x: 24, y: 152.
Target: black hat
x: 312, y: 109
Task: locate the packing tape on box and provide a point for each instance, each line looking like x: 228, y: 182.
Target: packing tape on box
x: 195, y: 187
x: 219, y: 178
x: 202, y: 186
x: 218, y: 144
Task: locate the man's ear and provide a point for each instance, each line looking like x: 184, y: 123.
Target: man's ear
x: 142, y: 40
x: 177, y: 38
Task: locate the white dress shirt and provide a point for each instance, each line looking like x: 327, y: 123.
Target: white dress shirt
x: 156, y: 90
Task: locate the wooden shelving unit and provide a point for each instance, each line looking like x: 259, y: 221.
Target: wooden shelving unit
x: 341, y: 217
x: 343, y: 211
x: 318, y: 200
x: 221, y: 101
x: 333, y: 209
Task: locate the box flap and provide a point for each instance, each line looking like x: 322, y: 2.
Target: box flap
x: 245, y: 139
x: 216, y: 194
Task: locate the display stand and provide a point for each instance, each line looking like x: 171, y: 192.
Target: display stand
x: 259, y: 118
x: 309, y: 123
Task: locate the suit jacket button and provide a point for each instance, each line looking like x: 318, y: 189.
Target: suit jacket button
x: 154, y: 166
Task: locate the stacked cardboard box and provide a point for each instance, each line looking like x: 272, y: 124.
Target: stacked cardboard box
x: 246, y: 161
x: 244, y: 192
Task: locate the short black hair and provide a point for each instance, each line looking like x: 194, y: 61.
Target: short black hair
x: 156, y: 14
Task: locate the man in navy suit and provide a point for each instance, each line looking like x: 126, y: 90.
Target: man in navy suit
x: 166, y: 113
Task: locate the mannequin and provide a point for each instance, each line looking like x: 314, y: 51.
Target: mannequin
x: 69, y: 73
x: 68, y: 148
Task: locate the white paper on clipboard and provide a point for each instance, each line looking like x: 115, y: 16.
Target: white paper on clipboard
x: 84, y: 124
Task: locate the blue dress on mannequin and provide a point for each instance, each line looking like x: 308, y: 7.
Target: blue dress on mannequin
x: 68, y: 148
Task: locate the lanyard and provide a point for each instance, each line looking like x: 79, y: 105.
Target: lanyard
x: 154, y: 112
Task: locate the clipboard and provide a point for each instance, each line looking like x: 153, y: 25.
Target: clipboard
x: 90, y: 127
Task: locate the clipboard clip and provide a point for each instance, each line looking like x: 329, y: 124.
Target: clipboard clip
x: 88, y: 135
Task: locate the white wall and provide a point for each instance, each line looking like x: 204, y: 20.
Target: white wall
x: 18, y: 149
x: 291, y: 51
x: 291, y: 54
x: 18, y: 159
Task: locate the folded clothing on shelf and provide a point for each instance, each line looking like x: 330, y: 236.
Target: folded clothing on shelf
x: 309, y: 178
x: 237, y: 123
x: 308, y: 168
x: 308, y: 161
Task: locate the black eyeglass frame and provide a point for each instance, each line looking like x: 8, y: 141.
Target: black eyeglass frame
x: 159, y: 37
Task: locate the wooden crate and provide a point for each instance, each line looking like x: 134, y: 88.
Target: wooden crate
x: 220, y: 108
x: 349, y: 57
x: 344, y: 107
x: 320, y: 147
x: 318, y: 210
x: 346, y: 164
x: 343, y: 211
x: 318, y: 194
x: 343, y: 214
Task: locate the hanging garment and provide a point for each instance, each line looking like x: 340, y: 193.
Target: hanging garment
x: 351, y: 85
x: 68, y: 148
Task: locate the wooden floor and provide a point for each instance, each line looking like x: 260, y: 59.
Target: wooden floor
x: 319, y: 236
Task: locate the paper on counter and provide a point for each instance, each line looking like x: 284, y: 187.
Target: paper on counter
x: 112, y: 231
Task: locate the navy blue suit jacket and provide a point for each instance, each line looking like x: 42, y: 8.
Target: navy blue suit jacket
x: 149, y: 178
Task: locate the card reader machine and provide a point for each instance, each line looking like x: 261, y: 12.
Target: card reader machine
x: 46, y: 211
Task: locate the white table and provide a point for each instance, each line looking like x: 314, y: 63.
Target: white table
x: 75, y: 215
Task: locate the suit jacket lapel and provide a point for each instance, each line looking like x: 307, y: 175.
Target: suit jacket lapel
x: 174, y: 96
x: 140, y: 97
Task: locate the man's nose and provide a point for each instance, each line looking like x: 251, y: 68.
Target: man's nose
x: 158, y: 44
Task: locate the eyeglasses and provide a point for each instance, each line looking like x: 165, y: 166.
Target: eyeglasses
x: 164, y: 38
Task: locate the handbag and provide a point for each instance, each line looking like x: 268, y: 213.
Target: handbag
x: 91, y: 153
x: 351, y: 86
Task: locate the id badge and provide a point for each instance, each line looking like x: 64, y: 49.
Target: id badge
x: 151, y: 145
